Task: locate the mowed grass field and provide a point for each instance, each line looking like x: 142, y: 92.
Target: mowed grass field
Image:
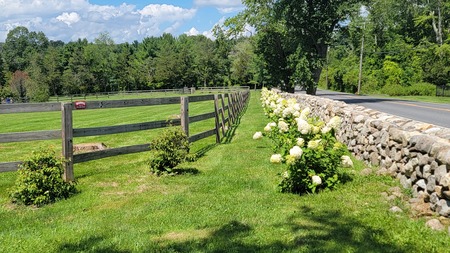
x: 22, y: 122
x: 230, y: 205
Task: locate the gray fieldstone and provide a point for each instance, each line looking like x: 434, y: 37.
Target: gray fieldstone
x: 435, y: 224
x: 416, y: 153
x: 405, y: 182
x: 426, y: 171
x: 422, y: 184
x: 409, y: 168
x: 422, y: 143
x: 443, y: 207
x: 440, y: 171
x: 434, y: 199
x: 395, y: 209
x: 438, y: 190
x: 418, y: 172
x: 443, y: 156
x: 431, y: 183
x: 445, y: 180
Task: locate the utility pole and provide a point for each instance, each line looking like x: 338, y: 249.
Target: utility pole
x: 328, y: 58
x: 361, y: 60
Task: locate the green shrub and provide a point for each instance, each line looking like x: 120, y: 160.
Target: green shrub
x: 394, y: 90
x: 307, y: 145
x: 40, y: 180
x: 422, y: 89
x: 169, y: 150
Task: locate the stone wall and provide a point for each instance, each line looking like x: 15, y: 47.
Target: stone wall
x: 416, y: 153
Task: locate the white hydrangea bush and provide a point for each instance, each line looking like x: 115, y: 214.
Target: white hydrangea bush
x: 307, y: 145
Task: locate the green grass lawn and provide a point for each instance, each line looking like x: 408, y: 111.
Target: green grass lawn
x: 227, y: 202
x: 22, y: 122
x: 429, y: 99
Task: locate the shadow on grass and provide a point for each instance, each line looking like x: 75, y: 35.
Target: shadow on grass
x: 91, y: 244
x: 227, y: 238
x: 232, y: 130
x: 185, y: 171
x: 312, y: 231
x: 201, y: 152
x: 333, y: 231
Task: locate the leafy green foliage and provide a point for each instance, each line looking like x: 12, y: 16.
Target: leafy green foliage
x: 169, y: 150
x: 294, y: 36
x: 323, y: 161
x: 232, y: 205
x: 404, y: 48
x: 40, y: 182
x: 306, y: 144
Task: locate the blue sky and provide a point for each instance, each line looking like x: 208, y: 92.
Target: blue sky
x: 124, y: 20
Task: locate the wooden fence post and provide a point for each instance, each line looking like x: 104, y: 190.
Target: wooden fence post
x: 230, y: 109
x: 67, y: 141
x: 241, y: 102
x: 236, y: 104
x: 216, y: 110
x: 222, y: 99
x: 184, y: 115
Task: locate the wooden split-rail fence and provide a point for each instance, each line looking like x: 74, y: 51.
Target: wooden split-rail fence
x: 227, y: 109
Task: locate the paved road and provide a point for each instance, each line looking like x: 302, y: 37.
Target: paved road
x: 436, y: 114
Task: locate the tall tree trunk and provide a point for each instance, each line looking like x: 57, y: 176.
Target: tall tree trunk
x: 322, y: 55
x: 437, y: 27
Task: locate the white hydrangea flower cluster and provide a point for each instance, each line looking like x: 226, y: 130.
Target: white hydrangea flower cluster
x: 288, y: 113
x: 300, y: 139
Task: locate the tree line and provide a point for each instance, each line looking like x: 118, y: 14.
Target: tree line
x: 401, y: 46
x: 394, y: 47
x: 35, y: 68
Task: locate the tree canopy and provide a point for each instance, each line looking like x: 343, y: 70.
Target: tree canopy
x: 294, y: 35
x: 394, y: 47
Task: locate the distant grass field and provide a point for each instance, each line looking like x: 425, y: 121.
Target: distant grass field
x: 120, y: 95
x: 429, y: 99
x: 22, y: 122
x: 229, y: 203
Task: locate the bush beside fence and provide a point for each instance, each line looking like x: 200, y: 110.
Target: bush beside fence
x: 227, y: 108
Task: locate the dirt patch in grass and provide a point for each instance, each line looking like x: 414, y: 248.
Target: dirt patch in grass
x: 88, y: 147
x: 108, y: 184
x: 183, y: 236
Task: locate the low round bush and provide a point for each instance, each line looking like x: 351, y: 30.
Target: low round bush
x: 169, y: 150
x: 39, y: 180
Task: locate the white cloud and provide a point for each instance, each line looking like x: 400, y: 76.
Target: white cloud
x: 224, y: 6
x: 164, y: 12
x: 69, y: 18
x: 192, y: 32
x: 209, y: 33
x: 33, y: 8
x: 72, y: 19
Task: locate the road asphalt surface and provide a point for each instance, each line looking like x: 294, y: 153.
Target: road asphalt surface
x: 432, y: 113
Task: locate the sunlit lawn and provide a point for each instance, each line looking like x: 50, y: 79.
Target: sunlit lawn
x: 228, y: 202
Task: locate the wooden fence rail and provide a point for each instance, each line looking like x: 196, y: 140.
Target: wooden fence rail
x: 227, y: 108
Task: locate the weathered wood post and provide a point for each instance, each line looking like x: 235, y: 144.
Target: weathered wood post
x: 216, y: 110
x: 241, y: 103
x: 184, y: 114
x: 224, y: 121
x: 232, y: 106
x: 67, y: 141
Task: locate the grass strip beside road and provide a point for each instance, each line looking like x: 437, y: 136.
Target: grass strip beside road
x: 226, y: 202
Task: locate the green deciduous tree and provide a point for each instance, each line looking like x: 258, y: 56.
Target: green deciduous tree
x: 20, y: 44
x: 299, y: 33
